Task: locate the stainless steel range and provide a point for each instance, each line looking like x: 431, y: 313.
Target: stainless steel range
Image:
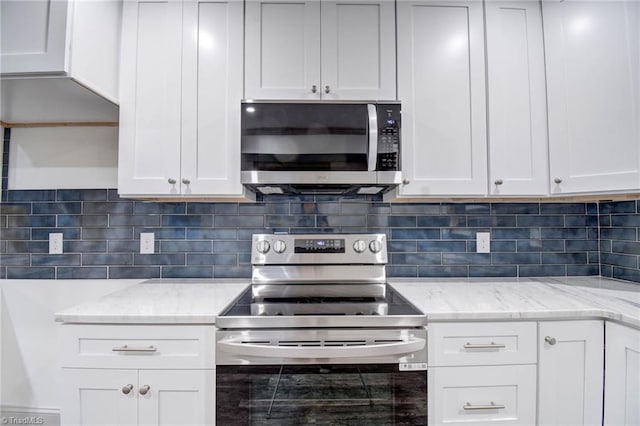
x: 321, y: 338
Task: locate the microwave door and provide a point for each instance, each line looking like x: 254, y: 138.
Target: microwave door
x: 373, y: 137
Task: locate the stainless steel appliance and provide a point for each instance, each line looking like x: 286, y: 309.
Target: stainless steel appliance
x: 320, y: 338
x: 329, y: 147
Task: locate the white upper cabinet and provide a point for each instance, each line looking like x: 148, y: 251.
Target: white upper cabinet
x: 593, y: 80
x: 441, y: 84
x: 335, y: 50
x: 517, y: 110
x: 181, y: 92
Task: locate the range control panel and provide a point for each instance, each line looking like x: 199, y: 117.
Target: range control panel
x: 388, y: 136
x: 319, y: 249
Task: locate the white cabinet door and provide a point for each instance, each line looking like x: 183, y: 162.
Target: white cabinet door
x: 92, y: 397
x: 282, y: 49
x: 358, y: 50
x: 150, y: 95
x: 211, y: 93
x: 593, y: 78
x: 570, y: 372
x: 441, y: 83
x: 33, y: 36
x: 622, y: 376
x: 465, y: 395
x: 517, y: 103
x: 177, y: 397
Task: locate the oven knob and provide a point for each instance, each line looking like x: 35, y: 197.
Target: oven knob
x: 279, y: 246
x: 375, y: 246
x: 359, y: 246
x: 263, y: 246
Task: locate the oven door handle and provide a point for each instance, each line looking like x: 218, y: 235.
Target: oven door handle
x: 270, y: 351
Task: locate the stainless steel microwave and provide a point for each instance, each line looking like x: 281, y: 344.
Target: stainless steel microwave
x: 321, y: 147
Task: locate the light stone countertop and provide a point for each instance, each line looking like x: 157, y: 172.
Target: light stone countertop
x: 199, y: 301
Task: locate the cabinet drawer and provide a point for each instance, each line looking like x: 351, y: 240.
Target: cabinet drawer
x: 140, y: 346
x: 469, y: 394
x: 482, y: 343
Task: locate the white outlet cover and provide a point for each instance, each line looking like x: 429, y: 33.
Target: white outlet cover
x: 483, y: 242
x: 147, y: 243
x: 55, y: 242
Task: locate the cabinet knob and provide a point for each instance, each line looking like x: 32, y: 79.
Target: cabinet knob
x: 126, y: 389
x: 144, y: 389
x: 186, y: 181
x: 550, y: 340
x: 314, y: 89
x: 557, y: 181
x: 171, y: 181
x: 327, y: 89
x: 498, y: 182
x: 405, y: 181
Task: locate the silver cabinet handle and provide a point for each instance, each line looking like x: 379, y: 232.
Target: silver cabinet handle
x: 372, y: 158
x: 144, y: 389
x: 491, y: 345
x: 171, y: 181
x: 126, y: 389
x: 314, y: 89
x: 498, y: 182
x: 491, y: 406
x: 126, y: 348
x: 186, y: 181
x: 327, y: 89
x: 557, y: 181
x: 550, y: 340
x: 405, y: 181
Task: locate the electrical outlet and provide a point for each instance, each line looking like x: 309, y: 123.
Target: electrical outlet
x: 55, y: 243
x: 483, y: 242
x: 147, y: 243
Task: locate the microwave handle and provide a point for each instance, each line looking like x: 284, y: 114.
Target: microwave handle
x: 373, y: 137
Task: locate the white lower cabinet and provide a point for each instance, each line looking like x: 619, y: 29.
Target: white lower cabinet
x: 570, y: 372
x: 622, y: 376
x: 137, y: 375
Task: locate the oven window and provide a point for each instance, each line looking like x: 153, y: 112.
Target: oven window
x: 320, y: 395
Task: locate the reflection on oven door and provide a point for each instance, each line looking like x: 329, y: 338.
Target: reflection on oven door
x: 320, y: 395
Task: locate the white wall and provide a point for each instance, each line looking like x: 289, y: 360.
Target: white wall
x: 63, y: 157
x: 29, y: 346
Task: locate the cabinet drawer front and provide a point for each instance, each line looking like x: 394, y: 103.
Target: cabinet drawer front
x: 483, y: 395
x: 148, y: 346
x: 482, y: 343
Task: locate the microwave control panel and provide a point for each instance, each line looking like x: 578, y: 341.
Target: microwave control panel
x: 388, y: 136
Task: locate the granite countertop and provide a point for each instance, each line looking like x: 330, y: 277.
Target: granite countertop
x: 199, y: 301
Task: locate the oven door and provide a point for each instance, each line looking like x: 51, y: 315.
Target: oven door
x: 321, y: 377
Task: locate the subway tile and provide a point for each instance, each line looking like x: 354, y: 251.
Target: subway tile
x: 515, y: 208
x: 466, y: 258
x: 334, y: 221
x: 43, y: 233
x: 583, y: 220
x: 107, y: 233
x: 85, y: 221
x: 211, y: 234
x: 195, y: 221
x: 391, y: 221
x: 626, y: 274
x: 134, y: 220
x: 244, y: 258
x: 15, y: 259
x: 380, y: 208
x: 542, y: 270
x: 69, y: 272
x: 55, y: 260
x: 212, y: 259
x: 124, y: 246
x: 592, y: 208
x: 515, y: 258
x: 231, y: 246
x: 540, y: 245
x: 394, y: 246
x: 81, y: 195
x: 124, y: 272
x: 494, y: 221
x: 84, y: 246
x: 57, y: 208
x: 583, y: 270
x: 606, y: 246
x: 501, y: 246
x: 442, y: 221
x: 442, y: 246
x: 27, y: 247
x: 187, y: 272
x: 247, y: 233
x: 31, y: 195
x: 275, y: 221
x: 464, y: 208
x: 593, y: 257
x: 3, y: 269
x: 107, y: 259
x: 563, y: 208
x: 212, y: 208
x: 527, y: 221
x: 618, y: 207
x: 31, y: 221
x: 160, y: 233
x: 574, y: 233
x: 624, y: 260
x: 15, y: 234
x: 354, y: 208
x: 416, y: 259
x: 514, y: 233
x: 223, y: 271
x: 565, y: 258
x: 146, y: 207
x: 402, y: 271
x: 626, y: 247
x: 625, y: 220
x: 593, y: 233
x: 310, y: 208
x: 250, y: 221
x: 581, y: 245
x: 159, y: 259
x: 15, y: 208
x: 493, y: 271
x: 31, y: 273
x: 262, y: 208
x: 604, y: 220
x: 442, y: 271
x: 606, y: 270
x: 417, y: 209
x: 459, y: 233
x: 415, y: 234
x: 186, y: 246
x: 629, y: 234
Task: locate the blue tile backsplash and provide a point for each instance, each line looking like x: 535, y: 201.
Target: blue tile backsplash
x: 212, y: 240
